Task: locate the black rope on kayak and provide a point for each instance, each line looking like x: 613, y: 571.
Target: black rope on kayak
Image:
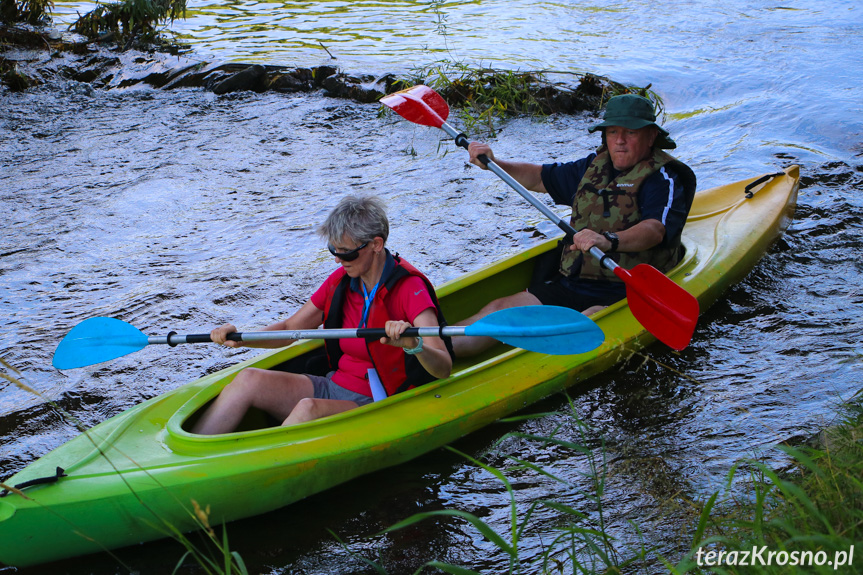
x: 38, y: 481
x: 747, y: 191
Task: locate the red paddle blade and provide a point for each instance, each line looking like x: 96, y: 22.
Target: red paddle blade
x: 418, y: 104
x: 664, y: 308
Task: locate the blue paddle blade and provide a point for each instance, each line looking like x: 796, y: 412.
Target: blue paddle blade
x: 96, y: 340
x: 541, y: 328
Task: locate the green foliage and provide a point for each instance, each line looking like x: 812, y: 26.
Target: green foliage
x: 815, y: 507
x: 579, y: 542
x: 483, y: 96
x: 129, y: 18
x: 35, y: 12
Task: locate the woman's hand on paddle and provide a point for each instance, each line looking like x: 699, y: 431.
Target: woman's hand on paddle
x: 395, y: 329
x: 220, y: 335
x: 476, y: 149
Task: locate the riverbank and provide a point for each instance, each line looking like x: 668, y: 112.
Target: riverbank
x: 31, y: 57
x: 804, y: 518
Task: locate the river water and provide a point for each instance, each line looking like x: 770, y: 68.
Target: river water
x: 180, y: 210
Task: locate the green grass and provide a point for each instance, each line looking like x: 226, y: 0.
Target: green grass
x: 811, y: 510
x: 483, y: 96
x: 578, y: 542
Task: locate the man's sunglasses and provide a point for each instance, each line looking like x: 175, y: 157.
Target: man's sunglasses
x: 347, y: 256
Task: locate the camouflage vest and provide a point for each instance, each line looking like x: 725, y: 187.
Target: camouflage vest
x: 606, y: 204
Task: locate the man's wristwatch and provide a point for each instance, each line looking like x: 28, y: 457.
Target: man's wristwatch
x: 612, y: 237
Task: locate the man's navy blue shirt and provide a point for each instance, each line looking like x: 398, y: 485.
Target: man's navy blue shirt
x: 661, y: 196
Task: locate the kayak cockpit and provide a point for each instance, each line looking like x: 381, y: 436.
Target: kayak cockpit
x: 459, y: 299
x: 312, y: 360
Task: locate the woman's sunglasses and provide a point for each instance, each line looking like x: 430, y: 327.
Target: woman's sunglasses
x: 347, y: 256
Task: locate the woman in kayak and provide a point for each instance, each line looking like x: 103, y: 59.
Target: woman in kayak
x: 372, y: 288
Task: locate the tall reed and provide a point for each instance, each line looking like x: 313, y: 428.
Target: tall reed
x: 812, y: 510
x: 807, y: 518
x: 580, y: 542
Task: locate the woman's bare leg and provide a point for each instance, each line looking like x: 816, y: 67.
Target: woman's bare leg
x: 313, y: 408
x: 274, y: 392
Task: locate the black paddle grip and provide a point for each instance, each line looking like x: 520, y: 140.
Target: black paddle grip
x: 378, y: 332
x: 199, y: 338
x: 461, y: 140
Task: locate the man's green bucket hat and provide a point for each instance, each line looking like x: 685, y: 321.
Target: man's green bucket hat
x: 633, y: 112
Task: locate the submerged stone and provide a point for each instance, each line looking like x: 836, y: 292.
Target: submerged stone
x: 253, y: 78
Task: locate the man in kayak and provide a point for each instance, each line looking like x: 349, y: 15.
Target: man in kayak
x: 630, y: 199
x: 372, y: 288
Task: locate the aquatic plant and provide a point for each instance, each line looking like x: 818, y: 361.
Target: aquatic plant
x: 580, y: 540
x: 484, y: 96
x: 808, y: 516
x: 215, y: 558
x: 35, y: 12
x: 129, y: 18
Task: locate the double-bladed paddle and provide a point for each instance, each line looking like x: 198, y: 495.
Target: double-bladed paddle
x: 544, y: 329
x: 664, y: 308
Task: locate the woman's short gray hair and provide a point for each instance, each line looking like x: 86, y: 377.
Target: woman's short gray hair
x: 361, y: 218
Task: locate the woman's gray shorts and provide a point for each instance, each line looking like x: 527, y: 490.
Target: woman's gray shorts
x: 326, y: 388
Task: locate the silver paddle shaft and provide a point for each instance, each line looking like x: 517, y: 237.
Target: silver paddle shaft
x: 461, y: 140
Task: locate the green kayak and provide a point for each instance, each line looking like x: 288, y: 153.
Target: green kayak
x: 125, y: 476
